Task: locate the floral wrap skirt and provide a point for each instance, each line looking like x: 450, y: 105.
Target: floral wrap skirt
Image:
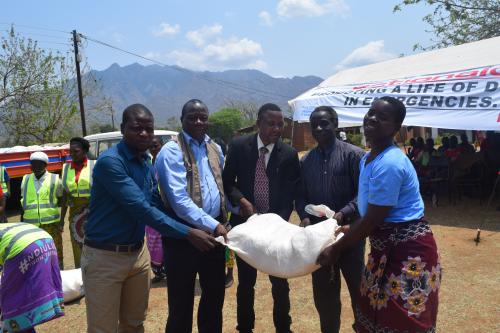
x: 400, y: 285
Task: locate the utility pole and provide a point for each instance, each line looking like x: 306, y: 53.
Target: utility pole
x: 112, y: 116
x: 76, y: 40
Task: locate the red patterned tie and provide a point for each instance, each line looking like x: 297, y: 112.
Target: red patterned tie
x: 261, y: 185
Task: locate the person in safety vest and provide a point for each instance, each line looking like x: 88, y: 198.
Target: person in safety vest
x: 5, y: 187
x: 76, y: 182
x: 40, y: 195
x: 31, y: 291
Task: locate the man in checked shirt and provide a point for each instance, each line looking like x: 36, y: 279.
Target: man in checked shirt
x: 329, y: 174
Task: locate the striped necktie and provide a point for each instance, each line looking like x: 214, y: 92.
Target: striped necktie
x: 261, y: 185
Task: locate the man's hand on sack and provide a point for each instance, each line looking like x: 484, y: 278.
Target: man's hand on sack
x: 220, y: 230
x: 339, y: 216
x: 246, y: 208
x: 305, y: 222
x: 201, y: 240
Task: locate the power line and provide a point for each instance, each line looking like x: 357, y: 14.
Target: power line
x: 52, y: 42
x: 34, y: 27
x: 217, y: 81
x: 42, y: 35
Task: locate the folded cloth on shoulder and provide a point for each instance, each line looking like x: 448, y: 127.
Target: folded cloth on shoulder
x: 279, y: 248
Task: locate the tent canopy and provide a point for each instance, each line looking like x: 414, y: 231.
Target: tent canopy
x: 456, y: 87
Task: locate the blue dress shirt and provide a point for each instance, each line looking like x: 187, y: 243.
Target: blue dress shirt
x: 124, y: 197
x: 172, y: 177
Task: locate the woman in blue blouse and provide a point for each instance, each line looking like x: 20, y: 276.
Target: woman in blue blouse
x: 399, y: 288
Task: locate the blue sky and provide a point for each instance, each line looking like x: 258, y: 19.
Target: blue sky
x: 280, y: 37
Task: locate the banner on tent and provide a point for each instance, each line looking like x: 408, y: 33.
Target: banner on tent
x: 467, y: 99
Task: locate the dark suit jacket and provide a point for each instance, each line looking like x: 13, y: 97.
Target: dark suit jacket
x: 283, y: 172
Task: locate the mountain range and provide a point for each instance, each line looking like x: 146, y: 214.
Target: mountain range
x: 165, y: 89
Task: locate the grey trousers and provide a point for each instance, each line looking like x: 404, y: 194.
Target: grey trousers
x: 326, y: 286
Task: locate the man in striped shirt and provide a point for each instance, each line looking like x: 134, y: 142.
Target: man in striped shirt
x: 329, y: 174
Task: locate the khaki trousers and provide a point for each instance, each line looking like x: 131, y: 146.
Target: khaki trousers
x: 116, y: 289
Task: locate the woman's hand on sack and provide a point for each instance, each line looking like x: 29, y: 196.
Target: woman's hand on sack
x: 328, y: 256
x: 246, y: 208
x: 342, y: 229
x: 201, y: 240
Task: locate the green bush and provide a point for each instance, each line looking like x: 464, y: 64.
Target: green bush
x: 223, y: 124
x: 355, y: 139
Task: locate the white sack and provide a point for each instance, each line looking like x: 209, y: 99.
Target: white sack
x: 72, y: 284
x: 278, y: 248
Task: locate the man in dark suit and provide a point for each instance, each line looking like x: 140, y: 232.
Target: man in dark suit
x: 261, y: 175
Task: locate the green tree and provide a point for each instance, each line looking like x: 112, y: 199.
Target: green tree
x: 248, y: 110
x: 455, y: 22
x: 37, y: 96
x: 224, y: 123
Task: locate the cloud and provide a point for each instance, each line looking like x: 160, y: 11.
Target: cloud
x: 232, y: 53
x: 369, y: 53
x: 310, y: 8
x: 166, y: 29
x: 201, y: 36
x: 265, y: 18
x: 233, y: 49
x: 153, y: 55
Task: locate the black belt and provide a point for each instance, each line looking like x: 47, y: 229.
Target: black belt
x: 114, y: 247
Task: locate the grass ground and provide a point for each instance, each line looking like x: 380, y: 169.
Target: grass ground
x: 469, y: 296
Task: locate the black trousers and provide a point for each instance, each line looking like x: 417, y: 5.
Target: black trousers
x: 183, y: 261
x: 245, y: 294
x: 326, y: 286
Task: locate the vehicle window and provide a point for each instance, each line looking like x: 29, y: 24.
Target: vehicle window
x: 92, y: 154
x: 165, y: 138
x: 106, y: 144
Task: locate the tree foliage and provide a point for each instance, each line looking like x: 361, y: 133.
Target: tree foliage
x: 223, y: 123
x: 455, y: 22
x: 248, y: 110
x: 37, y: 95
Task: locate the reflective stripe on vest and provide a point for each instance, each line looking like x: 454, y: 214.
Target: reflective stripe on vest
x: 14, y: 240
x: 15, y: 237
x: 38, y: 209
x: 82, y: 188
x: 3, y: 182
x: 10, y: 227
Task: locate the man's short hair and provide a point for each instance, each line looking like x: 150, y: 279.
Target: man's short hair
x: 267, y: 107
x: 131, y: 110
x: 398, y: 107
x: 187, y: 106
x: 331, y: 111
x: 82, y: 142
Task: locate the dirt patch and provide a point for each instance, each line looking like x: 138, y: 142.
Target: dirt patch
x: 468, y: 296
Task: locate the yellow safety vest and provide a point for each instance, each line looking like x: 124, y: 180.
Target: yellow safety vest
x: 15, y: 237
x: 82, y: 188
x: 40, y: 208
x: 3, y: 181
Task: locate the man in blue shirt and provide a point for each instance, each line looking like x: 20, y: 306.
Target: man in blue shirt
x: 190, y: 175
x: 124, y: 197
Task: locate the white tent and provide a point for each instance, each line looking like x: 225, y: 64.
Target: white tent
x: 456, y: 87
